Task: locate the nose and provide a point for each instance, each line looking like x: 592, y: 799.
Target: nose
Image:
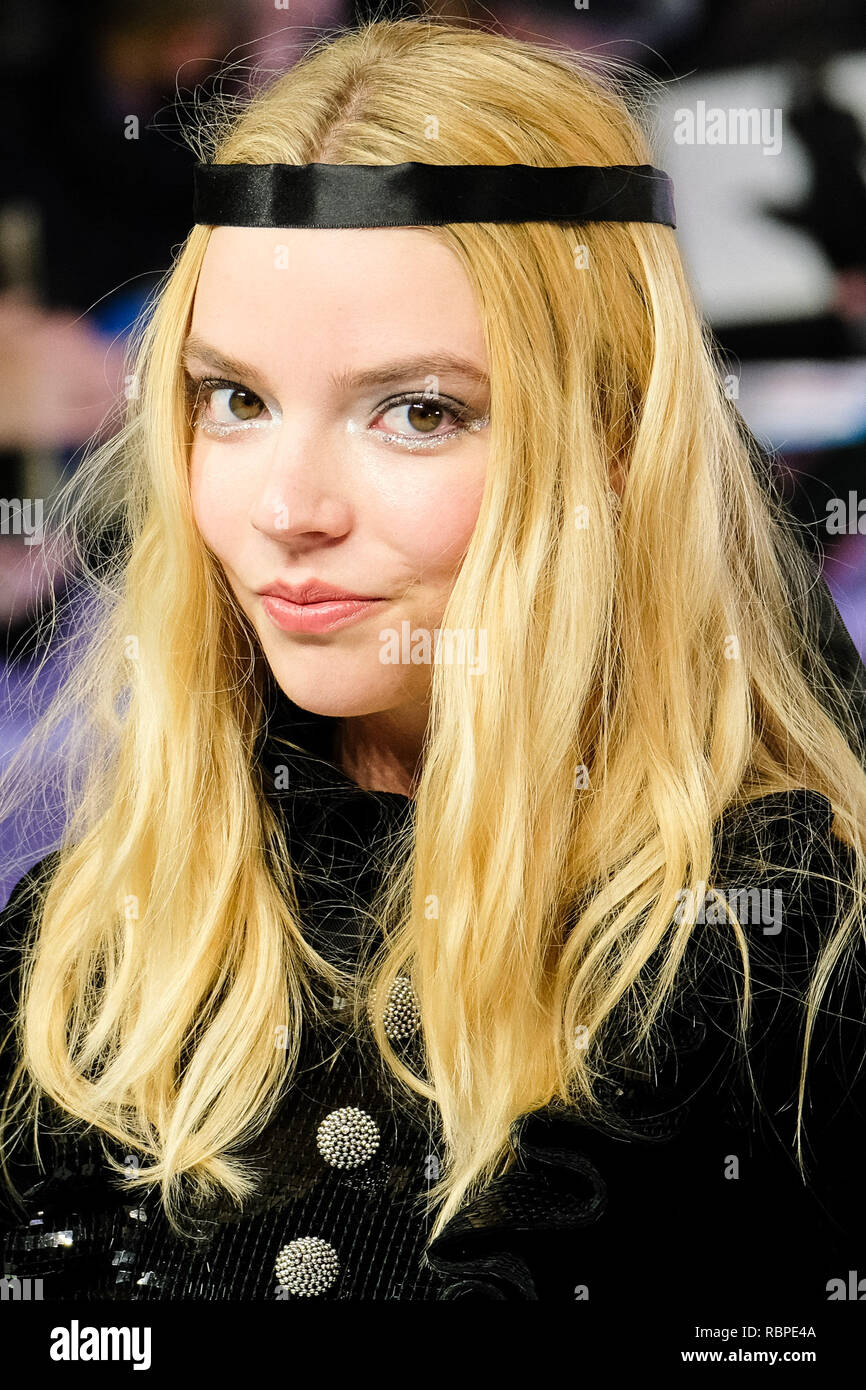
x: 304, y: 493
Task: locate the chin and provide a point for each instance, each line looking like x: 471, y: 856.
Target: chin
x: 332, y: 688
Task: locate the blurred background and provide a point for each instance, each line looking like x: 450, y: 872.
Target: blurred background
x: 761, y: 122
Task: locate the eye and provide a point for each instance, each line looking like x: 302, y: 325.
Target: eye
x: 222, y: 407
x: 423, y: 416
x: 414, y: 420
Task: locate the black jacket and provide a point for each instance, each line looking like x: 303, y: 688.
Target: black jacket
x: 693, y: 1196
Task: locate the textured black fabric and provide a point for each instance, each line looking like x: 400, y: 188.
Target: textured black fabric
x: 417, y: 194
x: 638, y: 1209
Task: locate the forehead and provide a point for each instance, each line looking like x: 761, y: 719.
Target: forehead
x: 332, y: 289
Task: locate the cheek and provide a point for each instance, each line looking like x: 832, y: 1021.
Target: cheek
x: 217, y: 501
x: 431, y: 520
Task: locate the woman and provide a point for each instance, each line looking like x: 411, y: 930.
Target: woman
x: 465, y: 935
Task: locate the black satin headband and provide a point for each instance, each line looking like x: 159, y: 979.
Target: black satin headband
x: 418, y: 195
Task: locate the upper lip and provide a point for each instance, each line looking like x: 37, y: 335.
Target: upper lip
x: 312, y: 591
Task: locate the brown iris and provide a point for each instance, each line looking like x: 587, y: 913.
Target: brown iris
x: 244, y: 404
x: 424, y: 420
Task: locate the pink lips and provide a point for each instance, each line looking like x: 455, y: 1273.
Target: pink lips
x: 316, y: 617
x: 314, y: 606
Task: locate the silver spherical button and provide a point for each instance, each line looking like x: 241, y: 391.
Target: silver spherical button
x: 347, y: 1137
x: 402, y: 1015
x: 307, y: 1266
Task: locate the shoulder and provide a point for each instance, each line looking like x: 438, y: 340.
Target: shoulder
x: 783, y: 875
x: 15, y: 921
x: 788, y: 878
x: 20, y: 901
x: 777, y: 831
x: 779, y: 894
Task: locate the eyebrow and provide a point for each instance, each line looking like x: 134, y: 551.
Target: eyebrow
x: 421, y: 365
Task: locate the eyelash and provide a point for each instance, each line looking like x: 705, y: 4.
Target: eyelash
x: 199, y: 390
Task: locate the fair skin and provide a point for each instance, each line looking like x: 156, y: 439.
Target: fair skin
x: 291, y: 475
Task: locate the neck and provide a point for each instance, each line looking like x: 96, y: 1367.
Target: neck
x: 381, y: 751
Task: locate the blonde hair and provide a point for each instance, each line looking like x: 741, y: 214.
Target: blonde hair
x: 623, y: 540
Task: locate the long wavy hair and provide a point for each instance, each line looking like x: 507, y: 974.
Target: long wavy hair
x: 632, y: 568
